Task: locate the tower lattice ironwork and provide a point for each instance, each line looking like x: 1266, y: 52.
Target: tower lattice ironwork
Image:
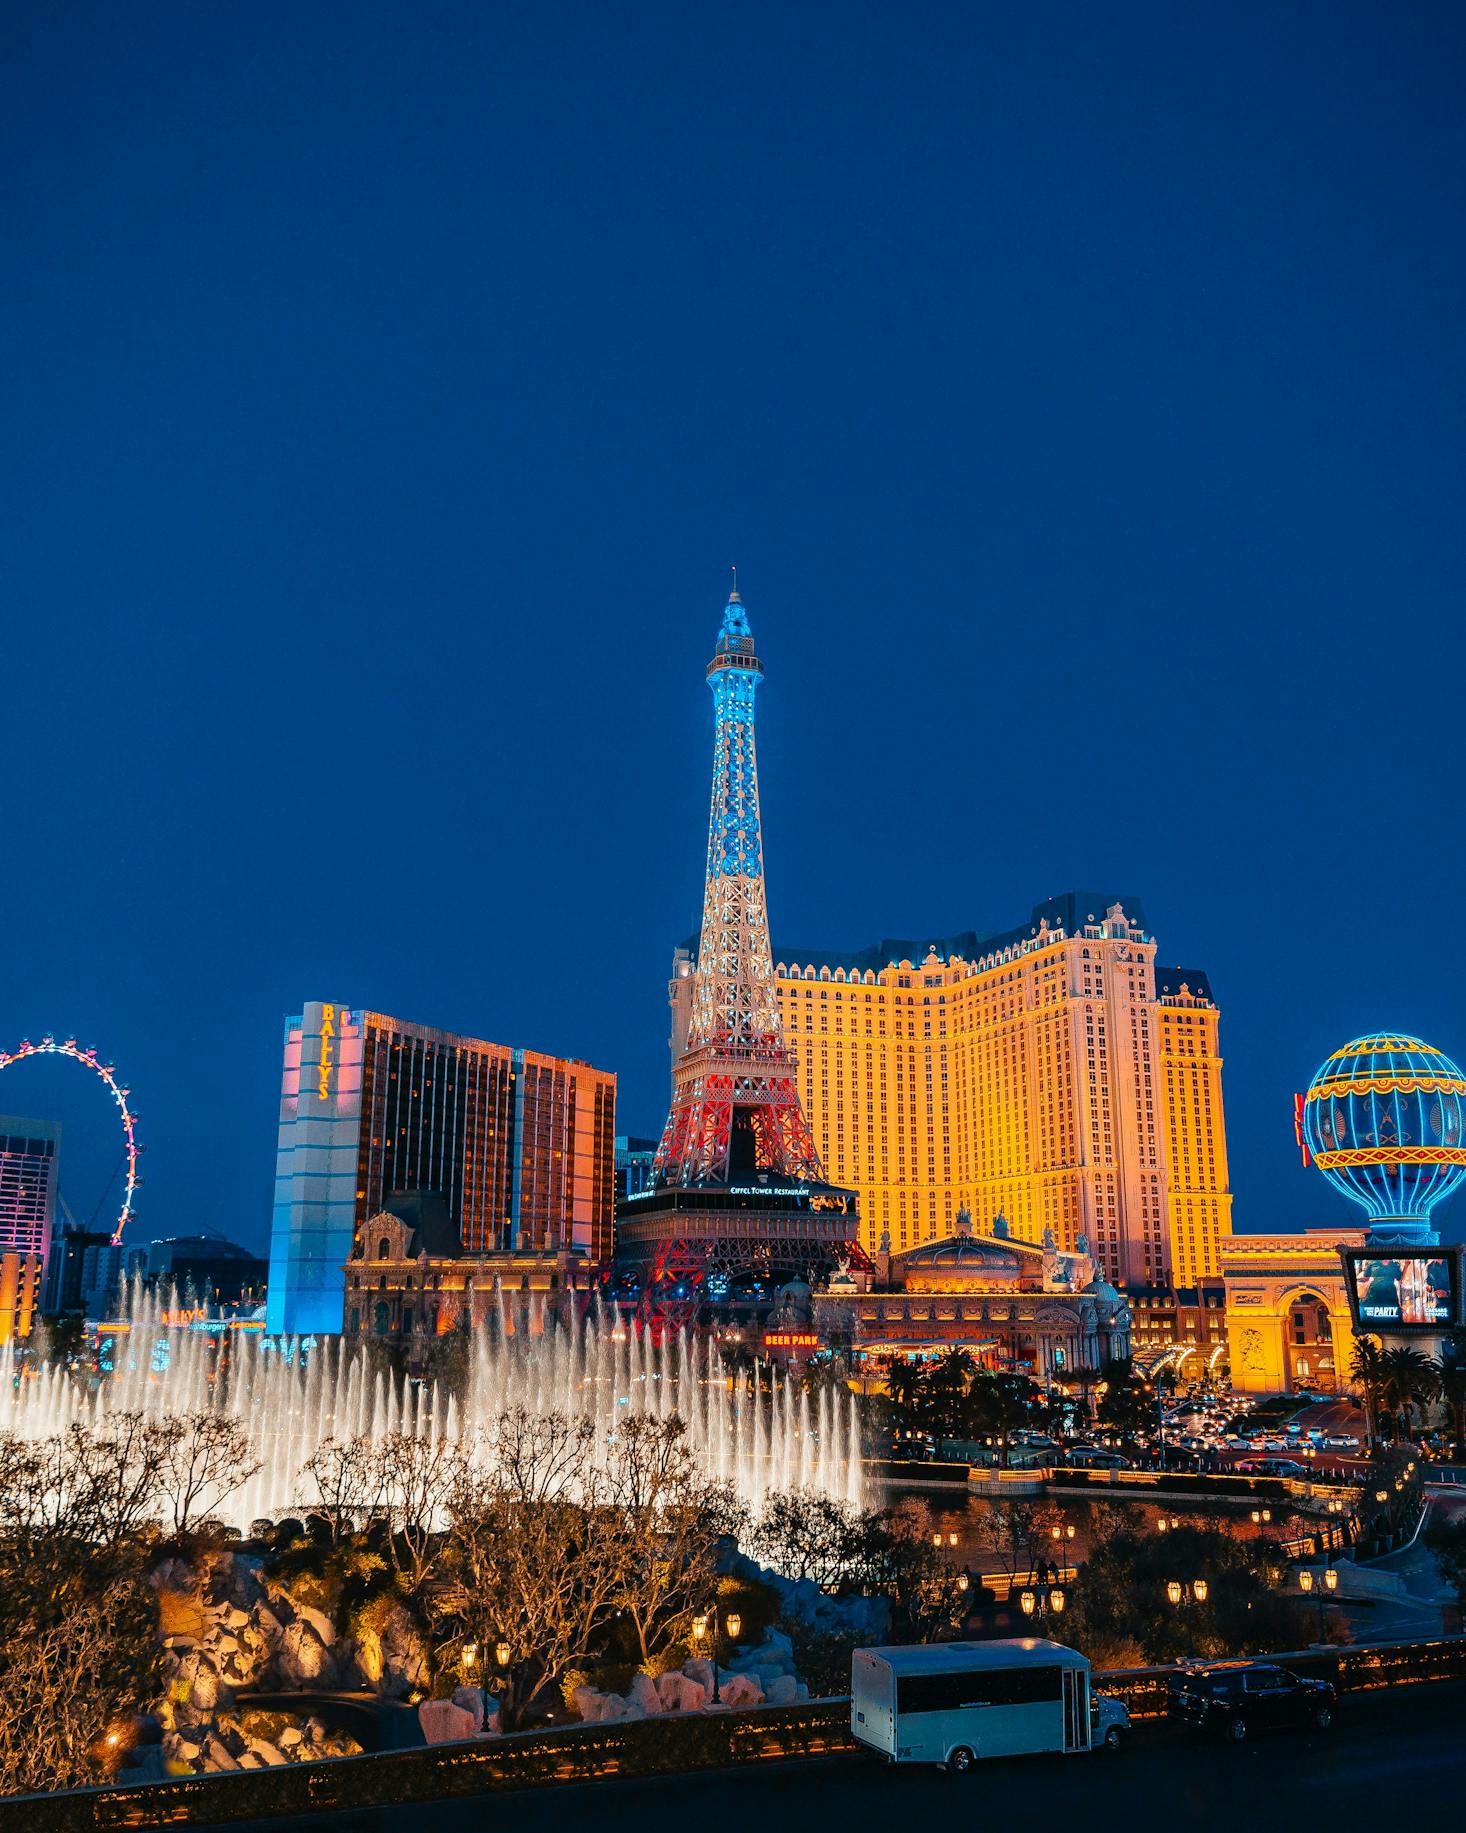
x: 737, y: 1204
x: 735, y: 1103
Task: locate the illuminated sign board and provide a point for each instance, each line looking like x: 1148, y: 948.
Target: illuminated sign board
x: 1403, y: 1290
x: 328, y: 1054
x: 791, y: 1339
x: 768, y: 1190
x: 195, y: 1319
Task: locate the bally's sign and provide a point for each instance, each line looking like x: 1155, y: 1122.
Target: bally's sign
x: 331, y: 1017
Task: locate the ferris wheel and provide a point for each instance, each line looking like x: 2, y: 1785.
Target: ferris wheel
x: 49, y: 1047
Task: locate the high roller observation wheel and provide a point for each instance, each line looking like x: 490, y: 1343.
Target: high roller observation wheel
x: 48, y: 1047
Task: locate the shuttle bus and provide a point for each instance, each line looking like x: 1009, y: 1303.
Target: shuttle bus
x: 954, y: 1703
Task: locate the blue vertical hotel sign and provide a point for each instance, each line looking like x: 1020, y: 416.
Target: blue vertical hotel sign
x: 315, y: 1170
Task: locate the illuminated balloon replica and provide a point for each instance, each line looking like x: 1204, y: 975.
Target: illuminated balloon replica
x: 1384, y: 1119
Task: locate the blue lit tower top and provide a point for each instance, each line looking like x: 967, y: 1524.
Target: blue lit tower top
x: 735, y: 1106
x: 733, y: 996
x: 1384, y: 1119
x: 734, y: 845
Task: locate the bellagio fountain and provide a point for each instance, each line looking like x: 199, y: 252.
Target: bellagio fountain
x: 758, y: 1430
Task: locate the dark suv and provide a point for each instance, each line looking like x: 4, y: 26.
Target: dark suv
x: 1233, y: 1699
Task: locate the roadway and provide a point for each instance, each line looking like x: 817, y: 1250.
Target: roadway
x: 1389, y: 1753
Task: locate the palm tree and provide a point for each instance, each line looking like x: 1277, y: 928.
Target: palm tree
x: 998, y: 1405
x: 1084, y: 1379
x: 1410, y: 1378
x: 946, y: 1386
x: 955, y: 1369
x: 1367, y: 1373
x: 1451, y: 1387
x: 906, y: 1385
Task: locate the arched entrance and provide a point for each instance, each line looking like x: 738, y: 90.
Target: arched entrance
x: 1308, y: 1344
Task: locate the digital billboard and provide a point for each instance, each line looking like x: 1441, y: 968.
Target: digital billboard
x: 1403, y: 1290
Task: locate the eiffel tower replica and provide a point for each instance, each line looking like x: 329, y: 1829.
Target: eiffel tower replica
x: 737, y: 1204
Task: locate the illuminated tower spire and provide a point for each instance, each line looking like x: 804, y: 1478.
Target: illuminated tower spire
x: 735, y: 1104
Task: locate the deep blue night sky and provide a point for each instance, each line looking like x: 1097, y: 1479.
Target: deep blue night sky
x: 1081, y: 392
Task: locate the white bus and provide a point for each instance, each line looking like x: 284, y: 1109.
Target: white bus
x: 952, y: 1703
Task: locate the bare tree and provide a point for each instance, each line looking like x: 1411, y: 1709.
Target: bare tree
x: 1017, y: 1533
x: 98, y: 1485
x: 804, y: 1534
x: 535, y: 1575
x: 668, y: 1518
x: 72, y: 1678
x: 349, y: 1479
x: 417, y: 1479
x: 206, y: 1461
x: 538, y: 1455
x: 77, y: 1622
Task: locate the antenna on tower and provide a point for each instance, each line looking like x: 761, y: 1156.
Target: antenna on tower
x: 733, y: 598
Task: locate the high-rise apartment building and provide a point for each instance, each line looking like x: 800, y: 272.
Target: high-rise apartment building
x: 1052, y: 1075
x: 29, y: 1155
x: 518, y: 1144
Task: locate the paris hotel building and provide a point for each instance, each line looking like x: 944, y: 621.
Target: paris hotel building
x: 1054, y: 1075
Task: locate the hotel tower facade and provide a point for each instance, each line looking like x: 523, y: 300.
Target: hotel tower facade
x: 516, y: 1145
x: 1054, y: 1075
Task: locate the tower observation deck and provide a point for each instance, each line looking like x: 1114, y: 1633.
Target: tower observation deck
x: 737, y: 1203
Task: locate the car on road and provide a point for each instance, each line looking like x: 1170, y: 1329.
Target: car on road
x: 1090, y: 1457
x: 1236, y: 1699
x: 1341, y: 1441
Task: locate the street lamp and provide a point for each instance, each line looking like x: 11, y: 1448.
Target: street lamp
x: 503, y: 1654
x: 1042, y: 1602
x: 1184, y: 1595
x: 1330, y: 1582
x: 951, y: 1537
x: 708, y: 1626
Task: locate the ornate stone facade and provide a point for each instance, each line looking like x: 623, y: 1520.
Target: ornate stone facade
x: 1010, y: 1304
x: 406, y: 1284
